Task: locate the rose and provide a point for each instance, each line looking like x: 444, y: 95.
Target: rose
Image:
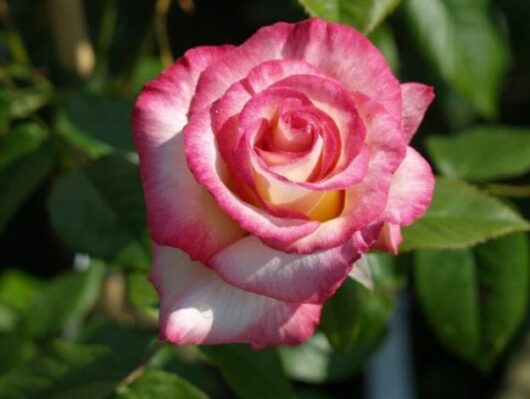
x: 268, y: 170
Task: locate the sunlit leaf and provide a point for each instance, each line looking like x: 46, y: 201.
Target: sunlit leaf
x: 17, y: 288
x: 464, y: 45
x: 64, y: 299
x: 460, y: 216
x: 482, y: 153
x: 364, y: 15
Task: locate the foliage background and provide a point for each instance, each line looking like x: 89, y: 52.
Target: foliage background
x: 77, y: 317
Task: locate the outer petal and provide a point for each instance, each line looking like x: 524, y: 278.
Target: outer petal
x: 198, y: 307
x: 251, y: 265
x: 319, y: 43
x: 410, y: 191
x: 389, y: 238
x: 416, y: 99
x: 342, y: 53
x: 181, y: 213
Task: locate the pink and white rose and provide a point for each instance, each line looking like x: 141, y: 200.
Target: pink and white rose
x: 269, y: 169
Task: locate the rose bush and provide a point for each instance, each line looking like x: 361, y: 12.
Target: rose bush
x: 269, y: 169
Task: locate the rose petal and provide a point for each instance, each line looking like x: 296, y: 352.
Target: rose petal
x: 251, y: 265
x: 181, y: 213
x: 365, y: 202
x: 322, y: 45
x: 279, y: 195
x: 416, y: 99
x: 389, y: 238
x: 342, y: 53
x: 411, y: 190
x: 198, y: 307
x: 260, y: 77
x: 205, y: 164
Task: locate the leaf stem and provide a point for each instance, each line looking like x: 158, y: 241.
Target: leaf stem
x: 105, y: 35
x: 138, y: 371
x: 14, y: 40
x: 160, y: 21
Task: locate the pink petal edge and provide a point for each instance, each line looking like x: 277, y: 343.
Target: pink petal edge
x: 176, y: 203
x: 416, y: 98
x: 312, y: 278
x: 198, y: 307
x: 411, y: 190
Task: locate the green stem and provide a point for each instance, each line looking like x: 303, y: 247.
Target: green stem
x: 14, y: 40
x: 106, y: 32
x: 138, y: 371
x: 161, y: 11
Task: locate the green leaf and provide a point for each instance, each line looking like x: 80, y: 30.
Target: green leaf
x: 14, y: 351
x: 20, y: 177
x: 4, y: 111
x: 21, y: 140
x: 475, y: 298
x: 17, y: 289
x: 315, y: 361
x: 8, y: 319
x: 73, y: 137
x: 482, y: 153
x: 28, y: 90
x: 66, y: 298
x: 355, y: 318
x: 156, y: 384
x: 140, y: 292
x: 104, y: 118
x: 461, y: 216
x: 252, y: 374
x: 129, y: 346
x: 364, y: 15
x: 384, y: 40
x: 136, y: 256
x: 148, y: 68
x: 64, y: 371
x: 464, y: 45
x: 188, y: 363
x: 99, y: 209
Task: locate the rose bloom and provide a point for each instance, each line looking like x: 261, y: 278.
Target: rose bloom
x: 268, y: 170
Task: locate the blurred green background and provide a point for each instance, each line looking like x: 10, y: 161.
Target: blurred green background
x: 77, y: 316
